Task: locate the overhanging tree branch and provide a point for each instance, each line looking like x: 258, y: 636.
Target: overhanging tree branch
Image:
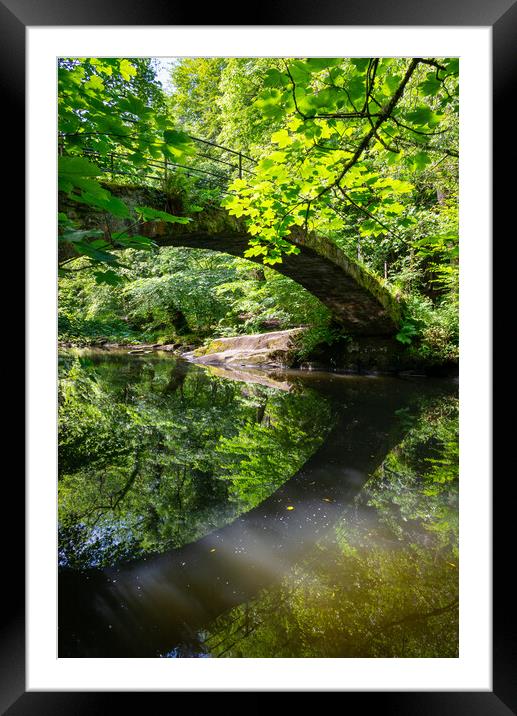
x: 380, y: 120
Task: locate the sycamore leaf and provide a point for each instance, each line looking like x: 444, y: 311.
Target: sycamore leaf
x: 87, y: 249
x: 94, y: 83
x: 71, y: 167
x: 109, y: 277
x: 281, y: 138
x: 257, y: 250
x: 174, y: 138
x: 275, y: 78
x: 112, y: 204
x: 423, y: 116
x: 322, y: 63
x: 421, y: 160
x: 430, y: 86
x: 149, y: 214
x: 360, y: 63
x: 134, y: 242
x: 127, y: 70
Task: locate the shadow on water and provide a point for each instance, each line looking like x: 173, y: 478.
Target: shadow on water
x: 147, y: 606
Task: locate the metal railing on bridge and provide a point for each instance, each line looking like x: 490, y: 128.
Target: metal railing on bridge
x: 212, y: 165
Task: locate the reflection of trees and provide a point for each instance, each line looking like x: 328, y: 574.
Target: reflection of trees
x: 386, y: 585
x: 343, y: 609
x: 417, y: 484
x: 147, y: 449
x: 277, y: 442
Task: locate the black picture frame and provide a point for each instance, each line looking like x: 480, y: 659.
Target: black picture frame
x: 15, y: 16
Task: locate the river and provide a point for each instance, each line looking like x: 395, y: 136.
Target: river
x: 208, y: 513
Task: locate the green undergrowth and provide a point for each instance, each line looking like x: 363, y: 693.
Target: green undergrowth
x: 90, y: 332
x: 430, y: 332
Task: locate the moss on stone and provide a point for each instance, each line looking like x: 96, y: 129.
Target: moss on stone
x: 393, y: 303
x: 211, y: 347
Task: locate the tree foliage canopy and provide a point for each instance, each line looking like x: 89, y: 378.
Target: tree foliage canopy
x: 110, y: 110
x: 353, y: 132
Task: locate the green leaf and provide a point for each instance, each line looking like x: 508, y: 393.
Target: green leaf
x: 356, y: 88
x: 323, y: 63
x: 257, y: 250
x: 155, y: 214
x: 236, y: 185
x: 423, y: 116
x: 407, y: 332
x: 102, y: 65
x: 92, y: 187
x: 452, y: 65
x: 87, y: 249
x: 71, y: 167
x: 281, y: 138
x: 272, y: 259
x: 430, y: 86
x: 174, y: 138
x: 421, y: 160
x: 360, y: 63
x: 162, y: 122
x: 112, y: 204
x: 391, y: 82
x: 94, y: 83
x: 300, y: 71
x: 275, y: 78
x: 65, y: 185
x: 134, y: 242
x: 326, y: 98
x: 131, y: 104
x: 127, y: 70
x: 109, y: 277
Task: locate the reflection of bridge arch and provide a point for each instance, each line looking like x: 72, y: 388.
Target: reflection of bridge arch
x: 146, y: 607
x: 357, y: 300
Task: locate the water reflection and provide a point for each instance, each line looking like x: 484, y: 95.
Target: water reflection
x: 155, y: 453
x: 385, y: 582
x: 324, y: 523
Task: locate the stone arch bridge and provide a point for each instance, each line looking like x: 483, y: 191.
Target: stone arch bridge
x: 358, y: 301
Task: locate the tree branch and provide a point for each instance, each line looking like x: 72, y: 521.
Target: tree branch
x: 381, y: 119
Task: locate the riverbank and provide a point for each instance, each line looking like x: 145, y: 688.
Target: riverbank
x: 286, y: 349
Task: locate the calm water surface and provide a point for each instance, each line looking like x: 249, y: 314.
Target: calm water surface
x: 207, y: 513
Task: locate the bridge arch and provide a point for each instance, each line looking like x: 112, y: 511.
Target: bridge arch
x: 358, y: 301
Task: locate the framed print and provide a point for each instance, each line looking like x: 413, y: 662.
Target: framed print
x: 68, y: 661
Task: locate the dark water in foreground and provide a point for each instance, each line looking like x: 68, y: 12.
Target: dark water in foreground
x: 212, y: 514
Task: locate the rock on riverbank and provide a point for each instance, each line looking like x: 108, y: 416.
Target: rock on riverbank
x: 276, y: 349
